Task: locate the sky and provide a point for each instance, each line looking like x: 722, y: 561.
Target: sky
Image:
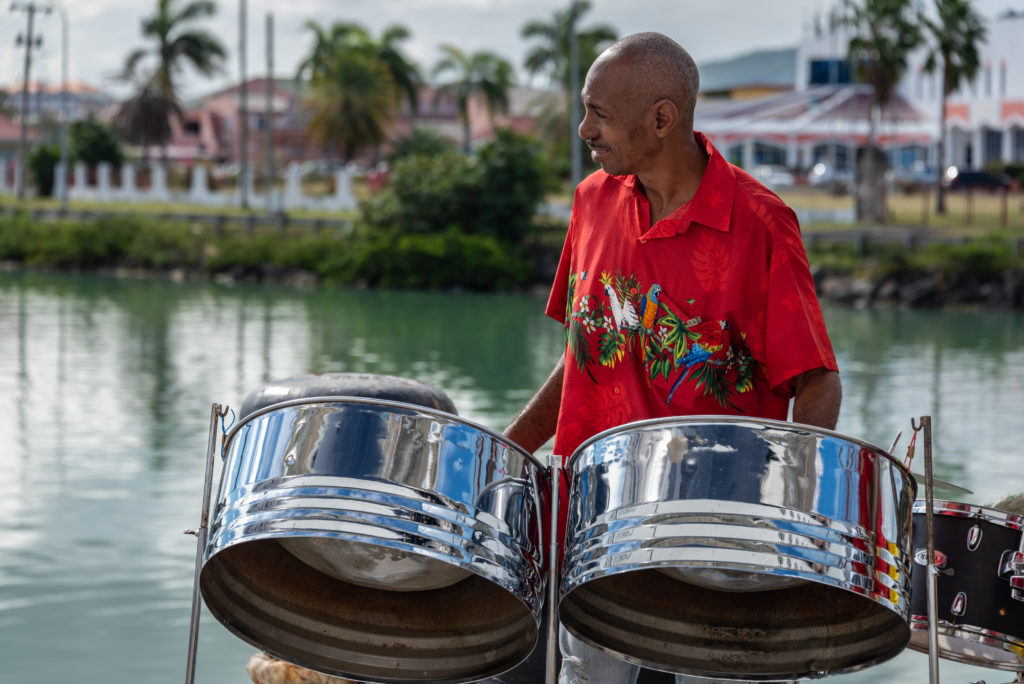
x: 102, y: 32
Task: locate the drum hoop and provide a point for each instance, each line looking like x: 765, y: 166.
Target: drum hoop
x: 761, y: 422
x: 962, y: 510
x: 972, y: 634
x: 383, y: 403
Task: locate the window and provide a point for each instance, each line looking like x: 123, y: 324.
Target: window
x: 830, y: 71
x: 993, y: 145
x: 1002, y: 79
x: 988, y: 80
x: 769, y: 154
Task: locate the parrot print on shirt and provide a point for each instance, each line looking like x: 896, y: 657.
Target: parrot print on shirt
x: 633, y: 323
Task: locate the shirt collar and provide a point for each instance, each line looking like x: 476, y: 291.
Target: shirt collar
x: 711, y: 205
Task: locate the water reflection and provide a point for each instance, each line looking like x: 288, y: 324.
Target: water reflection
x: 105, y: 389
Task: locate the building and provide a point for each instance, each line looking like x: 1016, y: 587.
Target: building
x: 46, y: 102
x: 822, y: 116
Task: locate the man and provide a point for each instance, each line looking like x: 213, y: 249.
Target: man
x: 683, y: 284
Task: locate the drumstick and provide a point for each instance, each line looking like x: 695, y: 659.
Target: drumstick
x: 899, y: 433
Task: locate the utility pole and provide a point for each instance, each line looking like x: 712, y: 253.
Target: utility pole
x: 271, y: 204
x: 574, y: 99
x: 64, y: 113
x: 243, y: 107
x: 29, y: 41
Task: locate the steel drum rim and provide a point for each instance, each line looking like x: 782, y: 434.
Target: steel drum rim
x: 225, y: 534
x: 972, y: 634
x: 385, y: 403
x: 957, y: 509
x: 720, y: 419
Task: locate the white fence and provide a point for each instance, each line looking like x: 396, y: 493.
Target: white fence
x: 199, y: 193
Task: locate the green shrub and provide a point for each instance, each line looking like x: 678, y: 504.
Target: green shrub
x: 160, y: 245
x: 449, y: 259
x: 495, y: 193
x: 42, y: 162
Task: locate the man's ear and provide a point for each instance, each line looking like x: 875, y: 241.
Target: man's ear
x: 666, y: 117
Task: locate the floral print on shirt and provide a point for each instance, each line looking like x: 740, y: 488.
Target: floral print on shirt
x: 633, y: 321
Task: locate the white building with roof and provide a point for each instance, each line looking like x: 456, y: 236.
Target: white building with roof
x: 823, y: 117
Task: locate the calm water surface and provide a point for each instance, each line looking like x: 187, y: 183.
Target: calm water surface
x: 105, y: 394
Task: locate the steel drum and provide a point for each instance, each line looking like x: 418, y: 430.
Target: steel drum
x: 378, y: 540
x: 737, y: 548
x: 979, y: 618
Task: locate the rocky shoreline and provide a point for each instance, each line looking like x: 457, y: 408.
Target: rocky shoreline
x: 936, y: 289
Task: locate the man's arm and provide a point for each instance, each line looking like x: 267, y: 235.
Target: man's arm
x: 536, y: 423
x: 818, y: 394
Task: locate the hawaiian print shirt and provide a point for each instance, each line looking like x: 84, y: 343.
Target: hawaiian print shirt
x: 711, y: 310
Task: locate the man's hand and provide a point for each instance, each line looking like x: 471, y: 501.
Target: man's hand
x: 818, y: 394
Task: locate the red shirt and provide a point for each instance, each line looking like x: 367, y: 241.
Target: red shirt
x: 710, y: 311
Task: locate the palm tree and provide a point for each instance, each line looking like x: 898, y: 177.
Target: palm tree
x: 955, y: 36
x: 403, y: 73
x: 550, y: 56
x: 482, y: 74
x: 885, y: 32
x: 358, y: 84
x: 176, y: 44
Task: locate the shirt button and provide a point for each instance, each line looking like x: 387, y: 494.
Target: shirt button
x: 618, y: 390
x: 643, y: 241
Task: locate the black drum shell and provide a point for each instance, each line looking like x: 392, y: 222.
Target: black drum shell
x: 990, y: 632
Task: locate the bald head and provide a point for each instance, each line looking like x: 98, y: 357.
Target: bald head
x: 661, y: 70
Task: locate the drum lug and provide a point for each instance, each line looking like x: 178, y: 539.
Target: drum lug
x: 1011, y: 568
x: 941, y: 560
x: 973, y: 538
x: 959, y: 604
x: 1011, y: 563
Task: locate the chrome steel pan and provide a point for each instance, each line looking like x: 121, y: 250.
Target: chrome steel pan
x: 378, y: 540
x: 980, y: 621
x: 735, y: 548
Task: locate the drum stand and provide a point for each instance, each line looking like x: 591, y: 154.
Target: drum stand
x: 552, y: 651
x: 933, y: 627
x: 216, y: 413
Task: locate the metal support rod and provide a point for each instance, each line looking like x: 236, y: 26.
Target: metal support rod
x: 933, y: 618
x: 552, y: 653
x: 216, y: 413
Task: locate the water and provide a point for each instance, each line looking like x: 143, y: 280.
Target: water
x: 105, y: 394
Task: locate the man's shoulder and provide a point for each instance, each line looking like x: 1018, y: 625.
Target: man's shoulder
x: 752, y: 196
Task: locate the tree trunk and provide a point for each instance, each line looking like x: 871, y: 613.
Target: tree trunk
x: 940, y: 190
x: 870, y: 204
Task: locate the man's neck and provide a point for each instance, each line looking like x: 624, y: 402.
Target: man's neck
x: 673, y: 179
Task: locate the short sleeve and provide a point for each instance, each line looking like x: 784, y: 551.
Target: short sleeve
x: 558, y: 299
x: 796, y: 340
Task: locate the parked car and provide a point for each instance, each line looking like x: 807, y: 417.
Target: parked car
x: 773, y: 176
x: 823, y: 175
x: 985, y: 180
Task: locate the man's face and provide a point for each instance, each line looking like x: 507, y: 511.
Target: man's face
x: 615, y: 126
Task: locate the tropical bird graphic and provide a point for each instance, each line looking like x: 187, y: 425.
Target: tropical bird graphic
x: 699, y: 352
x: 623, y: 313
x: 696, y: 354
x: 649, y: 307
